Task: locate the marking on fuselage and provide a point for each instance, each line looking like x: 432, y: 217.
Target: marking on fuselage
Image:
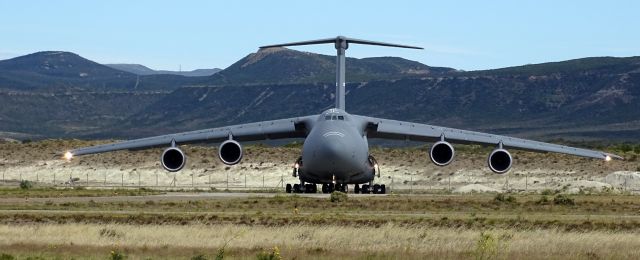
x: 333, y: 133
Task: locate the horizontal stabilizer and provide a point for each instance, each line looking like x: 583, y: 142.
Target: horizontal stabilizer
x: 338, y: 40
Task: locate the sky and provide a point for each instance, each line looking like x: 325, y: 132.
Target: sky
x: 187, y: 35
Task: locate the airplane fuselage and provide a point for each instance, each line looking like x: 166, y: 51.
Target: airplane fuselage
x: 336, y: 150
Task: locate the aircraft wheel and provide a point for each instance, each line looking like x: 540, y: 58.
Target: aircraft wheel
x: 383, y: 189
x: 296, y: 188
x: 376, y: 189
x: 356, y: 189
x: 314, y: 188
x: 288, y: 188
x: 325, y: 188
x: 331, y: 188
x: 345, y: 188
x: 365, y: 189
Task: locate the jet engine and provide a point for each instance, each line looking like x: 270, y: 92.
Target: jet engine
x: 441, y: 153
x: 500, y: 161
x: 173, y: 159
x: 230, y: 152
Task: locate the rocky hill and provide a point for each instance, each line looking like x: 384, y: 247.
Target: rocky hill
x: 52, y: 94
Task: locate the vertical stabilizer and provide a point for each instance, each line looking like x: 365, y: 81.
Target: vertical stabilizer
x: 341, y: 44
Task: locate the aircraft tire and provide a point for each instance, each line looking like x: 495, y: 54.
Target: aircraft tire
x: 365, y: 189
x: 288, y: 188
x: 383, y: 189
x: 376, y: 189
x: 356, y: 189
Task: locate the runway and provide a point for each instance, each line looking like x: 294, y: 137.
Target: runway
x: 171, y: 196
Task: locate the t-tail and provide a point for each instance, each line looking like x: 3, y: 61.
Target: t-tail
x: 341, y: 44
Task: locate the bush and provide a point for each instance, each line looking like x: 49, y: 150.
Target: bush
x: 273, y: 255
x: 543, y: 200
x: 199, y: 257
x: 7, y: 257
x: 500, y: 197
x: 547, y: 192
x: 26, y: 185
x: 562, y: 199
x: 116, y: 255
x: 337, y: 196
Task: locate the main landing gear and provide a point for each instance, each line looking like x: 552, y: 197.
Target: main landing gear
x: 329, y: 188
x: 368, y: 188
x: 301, y: 188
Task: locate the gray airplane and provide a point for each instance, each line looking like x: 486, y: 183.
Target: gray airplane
x: 335, y: 152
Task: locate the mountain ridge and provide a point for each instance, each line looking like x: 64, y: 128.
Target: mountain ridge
x: 589, y: 98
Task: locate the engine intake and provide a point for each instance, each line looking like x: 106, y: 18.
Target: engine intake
x: 173, y: 159
x: 500, y: 161
x: 441, y: 153
x: 230, y: 152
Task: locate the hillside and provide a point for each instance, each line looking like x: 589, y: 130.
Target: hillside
x: 58, y: 94
x: 143, y: 70
x: 61, y: 71
x: 285, y: 66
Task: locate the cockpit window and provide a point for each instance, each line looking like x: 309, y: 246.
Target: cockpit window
x: 340, y: 117
x: 327, y: 118
x: 333, y: 118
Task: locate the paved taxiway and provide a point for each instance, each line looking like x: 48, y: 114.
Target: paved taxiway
x: 172, y: 196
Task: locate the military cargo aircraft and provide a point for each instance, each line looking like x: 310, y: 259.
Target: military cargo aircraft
x: 335, y: 152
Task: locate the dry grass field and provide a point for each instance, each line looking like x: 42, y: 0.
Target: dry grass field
x: 549, y: 208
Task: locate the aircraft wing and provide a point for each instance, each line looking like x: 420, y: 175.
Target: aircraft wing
x: 275, y: 129
x: 399, y: 130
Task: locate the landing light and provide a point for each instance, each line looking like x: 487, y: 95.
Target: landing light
x: 68, y: 156
x: 296, y: 166
x: 607, y: 158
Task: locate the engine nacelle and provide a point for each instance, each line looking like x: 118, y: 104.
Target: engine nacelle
x: 230, y: 152
x: 441, y: 153
x: 500, y: 161
x: 173, y: 159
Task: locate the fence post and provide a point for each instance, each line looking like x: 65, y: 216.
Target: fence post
x: 122, y: 178
x: 263, y: 180
x: 227, y: 180
x: 87, y: 179
x: 192, y: 181
x: 245, y: 181
x: 54, y: 178
x: 411, y: 185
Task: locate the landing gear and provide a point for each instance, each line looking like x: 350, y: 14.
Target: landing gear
x: 375, y: 189
x: 328, y: 188
x: 356, y: 189
x: 301, y: 188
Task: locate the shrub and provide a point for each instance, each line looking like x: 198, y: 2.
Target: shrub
x: 273, y: 255
x: 116, y: 255
x: 199, y: 257
x: 7, y: 257
x: 543, y: 200
x: 547, y: 192
x: 500, y: 197
x: 486, y: 247
x: 562, y: 199
x: 26, y: 185
x: 337, y: 196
